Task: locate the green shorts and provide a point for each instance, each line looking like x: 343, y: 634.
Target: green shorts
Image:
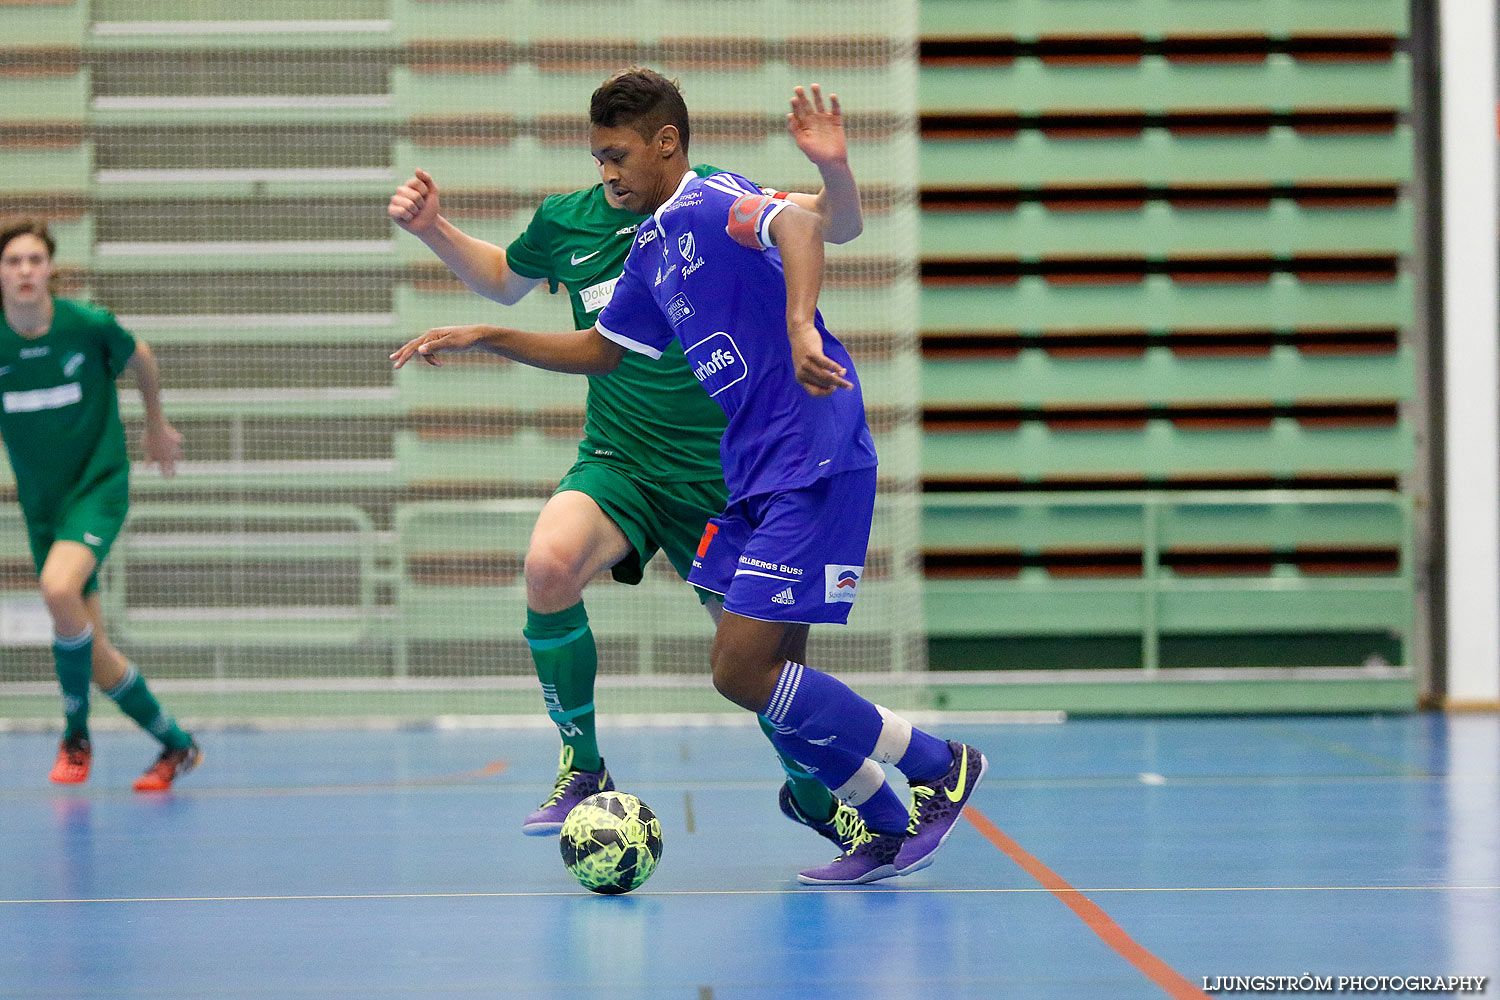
x: 92, y: 516
x: 652, y: 515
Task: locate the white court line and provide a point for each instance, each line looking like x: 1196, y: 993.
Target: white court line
x: 999, y: 891
x: 281, y: 27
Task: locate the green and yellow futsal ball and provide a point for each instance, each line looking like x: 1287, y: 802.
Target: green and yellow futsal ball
x: 611, y: 842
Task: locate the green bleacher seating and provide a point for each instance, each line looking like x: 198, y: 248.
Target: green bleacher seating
x: 63, y: 167
x: 1036, y: 18
x: 324, y: 555
x: 46, y: 25
x: 1157, y: 302
x: 1156, y: 84
x: 1142, y: 594
x: 1034, y: 452
x: 1157, y: 157
x: 1158, y: 376
x: 1282, y: 228
x: 44, y: 97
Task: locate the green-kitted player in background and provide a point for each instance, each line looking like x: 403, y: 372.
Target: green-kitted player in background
x: 60, y: 419
x: 648, y: 474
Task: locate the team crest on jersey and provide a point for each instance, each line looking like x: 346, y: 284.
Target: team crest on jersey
x: 841, y: 583
x: 72, y: 364
x: 686, y: 245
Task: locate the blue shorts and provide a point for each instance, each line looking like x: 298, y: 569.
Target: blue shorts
x: 795, y: 556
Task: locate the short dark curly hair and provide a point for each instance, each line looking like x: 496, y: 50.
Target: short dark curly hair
x: 641, y: 99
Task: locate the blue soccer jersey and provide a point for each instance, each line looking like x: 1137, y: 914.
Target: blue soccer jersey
x: 704, y: 272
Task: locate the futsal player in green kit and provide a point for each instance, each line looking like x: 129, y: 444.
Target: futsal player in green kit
x: 60, y: 418
x: 648, y: 475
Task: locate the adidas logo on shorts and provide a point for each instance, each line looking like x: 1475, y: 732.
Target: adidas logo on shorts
x: 785, y: 597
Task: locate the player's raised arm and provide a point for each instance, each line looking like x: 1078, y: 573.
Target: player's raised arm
x: 480, y: 265
x: 797, y: 234
x: 818, y: 131
x: 162, y: 440
x: 577, y: 352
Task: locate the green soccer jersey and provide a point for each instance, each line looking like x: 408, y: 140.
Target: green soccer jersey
x: 650, y: 416
x: 59, y: 412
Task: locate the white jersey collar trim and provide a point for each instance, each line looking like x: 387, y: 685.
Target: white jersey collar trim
x: 686, y: 179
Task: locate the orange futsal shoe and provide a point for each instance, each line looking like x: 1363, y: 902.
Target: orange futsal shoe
x: 73, y: 758
x: 171, y: 765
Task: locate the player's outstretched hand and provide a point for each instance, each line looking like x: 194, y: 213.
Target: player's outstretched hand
x: 818, y: 131
x: 819, y: 375
x: 164, y: 447
x: 414, y: 206
x: 442, y: 338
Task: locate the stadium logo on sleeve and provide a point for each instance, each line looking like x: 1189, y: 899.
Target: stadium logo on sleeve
x: 841, y: 583
x: 717, y: 362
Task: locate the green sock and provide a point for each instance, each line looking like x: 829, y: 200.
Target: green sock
x: 74, y: 657
x: 810, y: 794
x: 562, y: 647
x: 136, y: 700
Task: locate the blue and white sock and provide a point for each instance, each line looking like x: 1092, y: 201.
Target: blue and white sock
x: 823, y: 710
x: 855, y: 780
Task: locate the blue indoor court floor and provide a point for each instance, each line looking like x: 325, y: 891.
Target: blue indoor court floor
x: 1110, y: 859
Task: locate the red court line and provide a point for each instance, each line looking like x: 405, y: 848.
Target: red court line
x: 493, y: 767
x: 1089, y: 912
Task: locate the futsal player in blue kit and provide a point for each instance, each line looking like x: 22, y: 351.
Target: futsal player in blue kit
x: 734, y: 275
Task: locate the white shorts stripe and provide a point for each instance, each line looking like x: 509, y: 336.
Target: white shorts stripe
x: 768, y: 576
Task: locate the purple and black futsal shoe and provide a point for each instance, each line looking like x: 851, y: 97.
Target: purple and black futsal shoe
x: 936, y: 805
x: 873, y: 857
x: 843, y: 830
x: 573, y: 786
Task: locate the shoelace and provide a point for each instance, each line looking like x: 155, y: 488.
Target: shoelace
x: 921, y: 795
x: 564, y: 778
x: 849, y: 825
x: 861, y: 837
